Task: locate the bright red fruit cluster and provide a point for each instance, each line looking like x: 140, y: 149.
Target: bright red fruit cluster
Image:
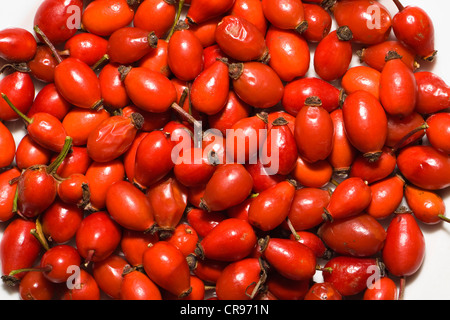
x: 94, y: 205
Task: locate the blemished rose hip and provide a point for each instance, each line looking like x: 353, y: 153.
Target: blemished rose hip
x: 142, y: 161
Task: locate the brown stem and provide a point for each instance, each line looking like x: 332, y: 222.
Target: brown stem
x: 292, y: 229
x: 48, y: 43
x: 100, y: 62
x: 405, y: 140
x: 401, y: 293
x: 400, y: 7
x: 175, y: 106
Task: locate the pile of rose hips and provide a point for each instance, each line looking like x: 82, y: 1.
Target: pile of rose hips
x: 93, y: 204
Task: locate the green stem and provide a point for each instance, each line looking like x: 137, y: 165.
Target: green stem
x: 14, y: 272
x: 23, y: 116
x: 100, y: 62
x: 177, y: 18
x: 443, y: 218
x: 52, y: 167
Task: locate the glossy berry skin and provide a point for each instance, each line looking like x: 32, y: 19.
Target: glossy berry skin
x: 438, y: 131
x: 87, y: 290
x: 362, y: 112
x: 34, y: 286
x: 372, y: 171
x: 358, y: 236
x: 203, y: 221
x: 250, y: 10
x: 359, y: 17
x: 134, y: 243
x: 231, y: 240
x: 229, y: 185
x: 319, y: 22
x: 86, y: 47
x: 20, y: 89
x: 322, y: 291
x: 312, y: 241
x: 290, y: 258
x: 185, y: 238
x: 129, y: 206
x: 427, y: 206
x: 47, y: 131
x: 349, y: 198
x: 404, y: 249
x: 138, y: 286
x: 155, y: 15
x: 387, y: 195
x: 398, y: 128
x: 7, y: 193
x: 413, y: 27
x: 202, y: 10
x: 256, y: 84
x: 286, y: 14
x: 19, y: 249
x: 382, y: 289
x: 72, y: 189
x: 362, y: 78
x: 97, y: 237
x: 432, y: 93
x: 167, y: 267
x: 49, y: 100
x: 238, y: 280
x: 56, y: 261
x: 425, y: 167
x: 109, y: 274
x: 17, y: 45
x: 53, y: 16
x: 8, y: 146
x: 114, y: 93
x: 333, y: 54
x: 78, y: 83
x: 43, y: 64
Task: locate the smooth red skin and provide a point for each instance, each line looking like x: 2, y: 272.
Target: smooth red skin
x: 307, y: 208
x: 129, y: 157
x: 197, y: 293
x: 433, y: 93
x: 20, y: 89
x: 8, y: 146
x: 195, y: 172
x: 438, y: 131
x: 153, y: 159
x: 109, y: 274
x: 258, y: 85
x: 87, y: 47
x: 76, y: 162
x: 280, y: 113
x: 374, y: 171
x: 127, y: 45
x: 399, y: 127
x: 351, y: 197
x: 210, y: 89
x: 262, y: 179
x: 319, y: 22
x: 203, y: 221
x: 374, y: 55
x: 240, y: 211
x: 113, y: 90
x: 297, y: 91
x: 271, y: 207
x: 358, y: 236
x: 322, y: 291
x: 185, y: 55
x: 19, y: 249
x: 362, y: 78
x: 354, y: 14
x: 100, y: 177
x: 150, y: 90
x: 77, y: 83
x: 43, y: 64
x: 209, y: 270
x: 212, y: 53
x: 282, y: 138
x: 17, y: 45
x: 238, y: 279
x: 60, y: 221
x: 202, y: 10
x: 290, y: 258
x: 155, y: 15
x: 349, y: 275
x: 383, y: 289
x: 286, y: 289
x: 425, y: 167
x: 411, y: 22
x: 332, y: 57
x: 52, y: 17
x: 185, y: 238
x: 167, y: 267
x: 134, y: 243
x: 70, y: 190
x: 286, y: 14
x: 289, y: 53
x: 35, y: 286
x: 129, y: 206
x: 229, y: 185
x: 58, y: 259
x: 103, y: 17
x: 205, y: 31
x: 30, y: 204
x: 404, y: 249
x: 49, y: 100
x: 387, y: 195
x: 342, y: 153
x: 251, y: 10
x: 231, y: 240
x: 312, y: 241
x: 111, y: 138
x: 314, y: 133
x: 363, y: 113
x: 398, y: 88
x: 152, y: 120
x: 88, y: 290
x: 426, y: 206
x: 47, y: 131
x: 97, y: 237
x: 7, y: 193
x: 168, y: 199
x: 80, y: 122
x: 240, y: 39
x: 137, y: 286
x: 156, y: 59
x: 313, y: 175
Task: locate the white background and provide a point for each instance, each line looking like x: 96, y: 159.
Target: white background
x: 432, y: 281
